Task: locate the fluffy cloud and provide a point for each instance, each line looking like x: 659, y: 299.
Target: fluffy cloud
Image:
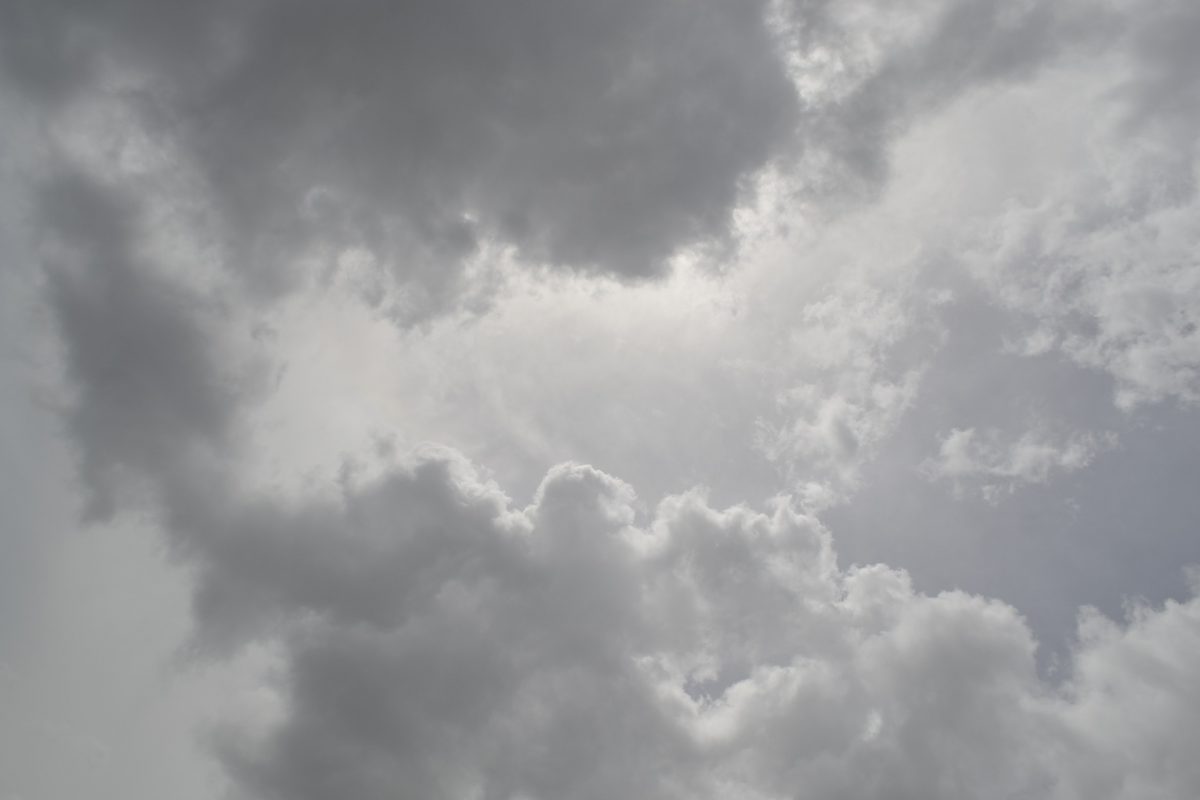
x: 435, y: 638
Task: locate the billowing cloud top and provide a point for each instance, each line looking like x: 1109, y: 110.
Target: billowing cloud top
x: 362, y: 308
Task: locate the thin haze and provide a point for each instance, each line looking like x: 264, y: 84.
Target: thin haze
x: 562, y: 399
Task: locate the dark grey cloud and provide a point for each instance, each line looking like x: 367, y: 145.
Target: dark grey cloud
x: 147, y: 388
x: 593, y: 137
x: 1161, y: 89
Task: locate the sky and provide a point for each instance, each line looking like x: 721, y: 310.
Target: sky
x: 562, y: 400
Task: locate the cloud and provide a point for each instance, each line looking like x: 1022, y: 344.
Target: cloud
x: 434, y: 139
x: 436, y: 638
x: 1101, y: 265
x: 867, y: 72
x: 998, y: 466
x: 601, y: 139
x: 140, y: 358
x: 853, y: 370
x: 431, y: 635
x: 1119, y: 300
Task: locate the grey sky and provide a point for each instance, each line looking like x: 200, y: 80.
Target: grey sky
x: 576, y: 400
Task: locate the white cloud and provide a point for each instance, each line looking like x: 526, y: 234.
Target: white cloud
x: 1102, y: 261
x: 846, y: 393
x: 997, y: 465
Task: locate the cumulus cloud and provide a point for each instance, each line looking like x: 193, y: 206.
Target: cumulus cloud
x: 434, y: 638
x: 214, y: 176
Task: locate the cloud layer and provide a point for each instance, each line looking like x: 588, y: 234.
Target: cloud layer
x: 836, y: 261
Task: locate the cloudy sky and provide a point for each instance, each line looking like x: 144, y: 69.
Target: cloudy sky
x: 576, y: 400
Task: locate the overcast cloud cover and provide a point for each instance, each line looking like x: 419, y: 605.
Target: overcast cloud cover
x: 647, y: 399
